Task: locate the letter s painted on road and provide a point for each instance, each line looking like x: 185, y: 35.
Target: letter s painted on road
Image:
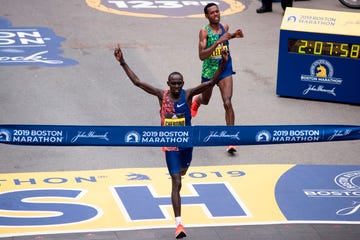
x: 52, y: 212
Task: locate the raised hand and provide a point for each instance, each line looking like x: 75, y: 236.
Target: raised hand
x: 118, y: 54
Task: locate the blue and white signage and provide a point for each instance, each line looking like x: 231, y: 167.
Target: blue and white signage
x: 319, y: 55
x: 152, y: 136
x: 324, y: 193
x: 30, y: 46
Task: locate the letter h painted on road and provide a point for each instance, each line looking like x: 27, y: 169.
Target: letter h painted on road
x: 216, y: 199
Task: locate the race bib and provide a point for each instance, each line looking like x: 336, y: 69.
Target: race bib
x: 216, y: 54
x: 175, y: 120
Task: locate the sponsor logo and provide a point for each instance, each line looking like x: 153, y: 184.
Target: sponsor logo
x: 90, y: 135
x: 339, y: 134
x: 30, y: 46
x: 180, y: 105
x: 161, y: 9
x: 354, y: 208
x: 320, y: 89
x: 222, y: 135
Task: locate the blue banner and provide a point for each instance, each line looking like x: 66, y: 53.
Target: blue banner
x: 150, y: 136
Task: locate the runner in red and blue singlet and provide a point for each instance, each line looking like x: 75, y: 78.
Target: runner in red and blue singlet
x: 175, y: 104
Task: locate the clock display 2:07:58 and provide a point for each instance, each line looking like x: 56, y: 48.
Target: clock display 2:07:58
x: 324, y: 48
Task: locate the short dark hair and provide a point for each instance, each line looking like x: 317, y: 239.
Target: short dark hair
x: 209, y: 5
x: 175, y: 73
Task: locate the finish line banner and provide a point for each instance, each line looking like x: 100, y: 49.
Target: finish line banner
x: 151, y: 136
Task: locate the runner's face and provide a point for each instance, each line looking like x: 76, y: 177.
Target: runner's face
x: 213, y: 14
x: 176, y: 83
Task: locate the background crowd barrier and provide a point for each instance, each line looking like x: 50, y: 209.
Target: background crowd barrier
x: 151, y: 136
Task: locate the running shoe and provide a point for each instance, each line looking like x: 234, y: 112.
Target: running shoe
x: 180, y: 232
x: 231, y: 149
x: 195, y: 106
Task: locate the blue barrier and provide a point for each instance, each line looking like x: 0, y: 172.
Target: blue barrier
x: 150, y: 136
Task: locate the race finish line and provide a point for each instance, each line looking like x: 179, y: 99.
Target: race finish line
x: 151, y: 136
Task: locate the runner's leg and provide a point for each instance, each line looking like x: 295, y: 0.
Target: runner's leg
x: 175, y: 193
x: 226, y: 90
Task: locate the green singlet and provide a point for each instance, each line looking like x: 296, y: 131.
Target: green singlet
x: 211, y: 64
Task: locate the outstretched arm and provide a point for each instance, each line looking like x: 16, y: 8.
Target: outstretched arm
x: 134, y: 78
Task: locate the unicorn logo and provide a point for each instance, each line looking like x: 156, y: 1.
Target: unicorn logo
x: 321, y: 71
x: 322, y: 68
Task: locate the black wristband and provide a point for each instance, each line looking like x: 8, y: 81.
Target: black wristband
x: 122, y: 63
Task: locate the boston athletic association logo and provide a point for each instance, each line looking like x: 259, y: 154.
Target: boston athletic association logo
x: 321, y: 79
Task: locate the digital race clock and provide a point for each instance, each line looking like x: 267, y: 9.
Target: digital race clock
x: 324, y: 48
x: 319, y: 55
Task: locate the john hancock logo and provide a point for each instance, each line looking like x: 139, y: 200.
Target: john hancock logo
x: 30, y: 46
